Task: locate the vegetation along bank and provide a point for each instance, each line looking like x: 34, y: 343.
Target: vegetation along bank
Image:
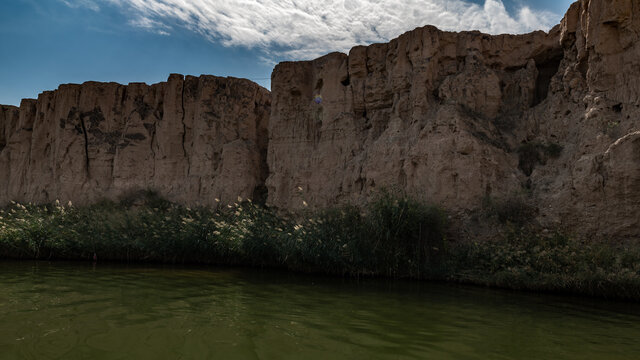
x: 394, y: 236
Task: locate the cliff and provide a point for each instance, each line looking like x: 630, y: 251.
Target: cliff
x: 452, y: 118
x: 192, y: 139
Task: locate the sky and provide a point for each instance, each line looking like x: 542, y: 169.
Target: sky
x: 50, y: 42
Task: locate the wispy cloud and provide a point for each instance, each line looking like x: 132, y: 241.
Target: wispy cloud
x: 90, y: 4
x: 150, y: 25
x: 302, y: 29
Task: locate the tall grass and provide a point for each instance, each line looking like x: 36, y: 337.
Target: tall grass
x: 395, y: 236
x: 392, y: 236
x: 523, y: 259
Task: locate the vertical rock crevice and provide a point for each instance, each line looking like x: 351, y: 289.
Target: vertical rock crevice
x: 86, y: 147
x: 184, y: 127
x: 547, y: 69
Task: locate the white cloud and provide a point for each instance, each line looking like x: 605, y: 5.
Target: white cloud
x: 303, y: 29
x: 91, y: 4
x: 150, y: 25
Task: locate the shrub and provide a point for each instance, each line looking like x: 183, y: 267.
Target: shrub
x: 149, y: 198
x: 393, y: 236
x: 528, y: 157
x: 515, y: 209
x: 523, y: 259
x: 553, y: 150
x: 409, y: 235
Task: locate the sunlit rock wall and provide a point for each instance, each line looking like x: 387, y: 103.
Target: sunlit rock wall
x: 192, y: 139
x: 450, y: 118
x: 454, y: 118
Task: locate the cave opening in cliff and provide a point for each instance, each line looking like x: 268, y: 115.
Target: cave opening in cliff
x: 547, y: 67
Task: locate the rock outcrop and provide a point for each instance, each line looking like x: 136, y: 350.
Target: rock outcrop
x: 453, y: 118
x: 192, y: 139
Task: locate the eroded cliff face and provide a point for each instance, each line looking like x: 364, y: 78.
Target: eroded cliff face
x: 452, y: 118
x: 595, y: 188
x: 192, y: 139
x: 455, y: 117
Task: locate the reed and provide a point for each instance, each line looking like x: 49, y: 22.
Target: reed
x: 393, y: 236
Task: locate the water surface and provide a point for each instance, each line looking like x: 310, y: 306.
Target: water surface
x: 80, y: 311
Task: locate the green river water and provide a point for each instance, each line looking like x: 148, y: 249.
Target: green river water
x: 103, y: 311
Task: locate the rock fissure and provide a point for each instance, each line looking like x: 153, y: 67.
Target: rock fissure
x: 184, y: 128
x: 86, y: 147
x: 152, y: 145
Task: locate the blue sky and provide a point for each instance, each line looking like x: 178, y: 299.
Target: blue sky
x: 49, y: 42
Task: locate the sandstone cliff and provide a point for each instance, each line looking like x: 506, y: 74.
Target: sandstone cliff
x: 455, y: 117
x: 192, y: 139
x: 452, y: 118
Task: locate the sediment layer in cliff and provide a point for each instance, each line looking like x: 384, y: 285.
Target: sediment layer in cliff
x: 192, y: 139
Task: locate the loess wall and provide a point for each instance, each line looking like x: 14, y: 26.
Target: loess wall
x: 192, y: 139
x: 452, y: 118
x: 455, y: 117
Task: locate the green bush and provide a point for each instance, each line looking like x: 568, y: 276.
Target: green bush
x: 553, y: 150
x: 522, y: 259
x: 394, y: 236
x: 409, y: 235
x: 513, y: 209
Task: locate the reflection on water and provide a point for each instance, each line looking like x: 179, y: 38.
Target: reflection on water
x: 76, y: 311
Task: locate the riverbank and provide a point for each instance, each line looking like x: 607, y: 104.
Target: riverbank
x: 394, y: 236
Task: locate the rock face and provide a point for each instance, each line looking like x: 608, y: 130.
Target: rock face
x: 192, y: 139
x: 454, y: 117
x: 422, y: 113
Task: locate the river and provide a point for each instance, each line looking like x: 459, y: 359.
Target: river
x: 108, y: 311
